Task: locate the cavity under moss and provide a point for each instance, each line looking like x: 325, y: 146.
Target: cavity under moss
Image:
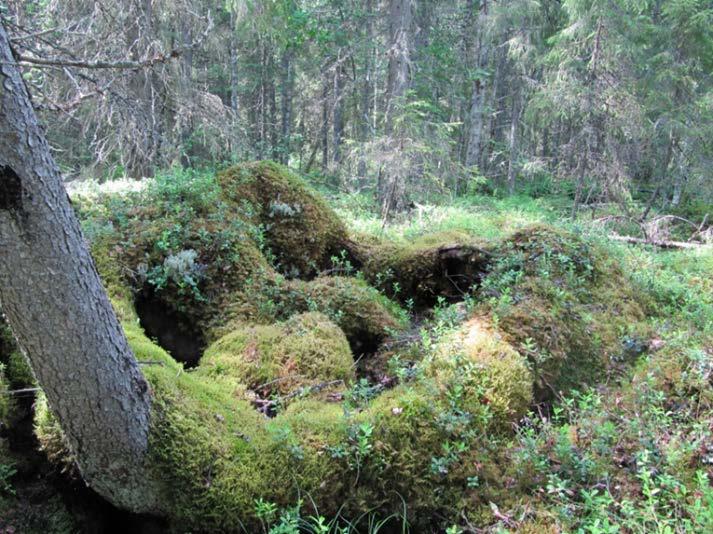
x: 445, y: 265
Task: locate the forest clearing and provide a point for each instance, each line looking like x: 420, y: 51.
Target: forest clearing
x: 344, y: 267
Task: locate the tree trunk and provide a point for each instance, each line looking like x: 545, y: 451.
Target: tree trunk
x: 366, y: 95
x: 478, y: 61
x: 513, y: 139
x: 338, y: 122
x: 399, y: 53
x: 286, y: 104
x: 59, y: 312
x: 325, y: 123
x: 233, y: 62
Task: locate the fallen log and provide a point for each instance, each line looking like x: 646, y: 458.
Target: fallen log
x: 656, y: 243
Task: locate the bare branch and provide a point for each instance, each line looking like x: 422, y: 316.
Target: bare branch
x: 32, y: 60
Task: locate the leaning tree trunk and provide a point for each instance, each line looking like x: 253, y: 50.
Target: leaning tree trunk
x: 56, y: 306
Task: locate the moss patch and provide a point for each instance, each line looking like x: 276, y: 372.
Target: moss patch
x: 301, y: 230
x: 446, y: 265
x: 303, y: 351
x: 366, y: 316
x: 480, y: 355
x: 560, y: 300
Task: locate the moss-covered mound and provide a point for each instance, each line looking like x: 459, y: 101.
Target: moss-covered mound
x: 217, y: 454
x: 554, y: 311
x: 560, y: 300
x: 307, y: 349
x: 301, y: 230
x: 478, y: 349
x: 179, y: 246
x: 446, y: 264
x: 366, y: 316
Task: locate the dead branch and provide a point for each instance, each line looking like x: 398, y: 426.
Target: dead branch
x: 656, y: 243
x: 32, y: 60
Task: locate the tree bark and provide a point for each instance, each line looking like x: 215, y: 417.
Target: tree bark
x: 338, y: 122
x: 366, y: 96
x: 478, y: 62
x: 234, y: 102
x: 325, y: 122
x: 57, y: 308
x: 286, y: 91
x: 513, y: 139
x: 400, y: 19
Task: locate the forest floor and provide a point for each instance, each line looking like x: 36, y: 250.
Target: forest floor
x: 629, y: 449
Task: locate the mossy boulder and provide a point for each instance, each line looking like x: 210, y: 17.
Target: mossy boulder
x: 305, y: 350
x: 180, y: 245
x: 562, y: 301
x: 441, y: 265
x: 301, y: 230
x: 216, y: 454
x: 485, y: 361
x: 554, y: 311
x: 366, y: 316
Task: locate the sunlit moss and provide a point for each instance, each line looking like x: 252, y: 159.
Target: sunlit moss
x: 561, y: 301
x: 481, y: 358
x: 301, y: 230
x: 305, y: 350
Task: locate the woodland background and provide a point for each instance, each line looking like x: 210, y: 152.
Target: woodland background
x: 603, y: 100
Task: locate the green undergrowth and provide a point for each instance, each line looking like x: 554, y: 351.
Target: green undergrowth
x: 566, y: 385
x: 563, y: 301
x: 482, y: 217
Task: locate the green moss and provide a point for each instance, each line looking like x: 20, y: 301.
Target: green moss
x: 17, y: 371
x: 301, y: 230
x: 305, y: 350
x: 444, y: 264
x: 491, y: 369
x: 217, y: 454
x: 184, y: 247
x: 50, y: 437
x: 563, y: 302
x: 365, y: 315
x: 555, y: 307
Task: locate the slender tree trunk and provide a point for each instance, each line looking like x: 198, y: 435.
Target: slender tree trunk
x: 186, y: 123
x: 400, y: 20
x: 234, y: 102
x: 338, y: 122
x: 367, y: 89
x: 478, y: 62
x: 59, y: 312
x: 325, y: 124
x: 513, y: 139
x: 272, y: 100
x: 493, y: 107
x: 286, y: 92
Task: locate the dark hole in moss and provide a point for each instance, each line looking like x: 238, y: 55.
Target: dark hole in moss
x: 457, y: 271
x: 172, y: 330
x: 459, y: 276
x: 363, y: 342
